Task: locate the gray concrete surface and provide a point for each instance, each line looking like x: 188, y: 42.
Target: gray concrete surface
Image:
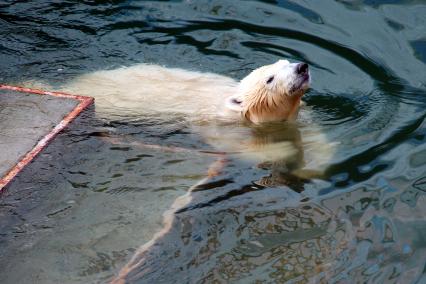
x: 24, y: 120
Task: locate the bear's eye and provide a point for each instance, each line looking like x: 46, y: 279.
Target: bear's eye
x: 270, y: 79
x: 235, y: 101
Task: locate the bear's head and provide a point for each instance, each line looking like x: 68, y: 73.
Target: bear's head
x: 271, y: 92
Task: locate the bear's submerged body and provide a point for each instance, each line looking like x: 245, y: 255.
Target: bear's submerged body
x: 217, y: 107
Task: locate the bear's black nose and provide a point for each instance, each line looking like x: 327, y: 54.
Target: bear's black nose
x: 302, y: 68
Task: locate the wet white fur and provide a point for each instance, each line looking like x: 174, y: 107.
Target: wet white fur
x: 144, y: 90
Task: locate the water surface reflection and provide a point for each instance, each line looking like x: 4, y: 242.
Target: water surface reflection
x: 273, y: 234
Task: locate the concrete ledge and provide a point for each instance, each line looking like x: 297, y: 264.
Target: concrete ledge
x: 29, y: 120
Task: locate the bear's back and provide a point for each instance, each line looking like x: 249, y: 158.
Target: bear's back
x: 144, y: 90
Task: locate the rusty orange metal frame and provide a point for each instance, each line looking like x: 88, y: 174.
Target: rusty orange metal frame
x: 84, y: 102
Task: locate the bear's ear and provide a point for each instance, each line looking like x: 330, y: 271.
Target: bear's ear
x: 234, y: 103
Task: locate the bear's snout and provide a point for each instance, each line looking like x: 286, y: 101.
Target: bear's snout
x: 302, y: 68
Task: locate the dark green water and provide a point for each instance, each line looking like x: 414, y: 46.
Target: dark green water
x: 81, y: 210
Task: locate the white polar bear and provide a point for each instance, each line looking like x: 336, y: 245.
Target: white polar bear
x: 212, y: 103
x: 269, y: 93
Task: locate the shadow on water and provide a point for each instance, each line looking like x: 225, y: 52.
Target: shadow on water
x: 87, y: 204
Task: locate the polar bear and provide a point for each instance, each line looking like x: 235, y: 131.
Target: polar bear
x: 211, y: 103
x: 269, y: 93
x: 217, y: 107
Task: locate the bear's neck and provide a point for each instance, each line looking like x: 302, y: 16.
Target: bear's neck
x: 272, y: 108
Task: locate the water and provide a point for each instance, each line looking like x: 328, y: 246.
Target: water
x: 81, y: 210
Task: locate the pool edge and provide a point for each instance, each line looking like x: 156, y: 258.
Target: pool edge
x: 84, y: 102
